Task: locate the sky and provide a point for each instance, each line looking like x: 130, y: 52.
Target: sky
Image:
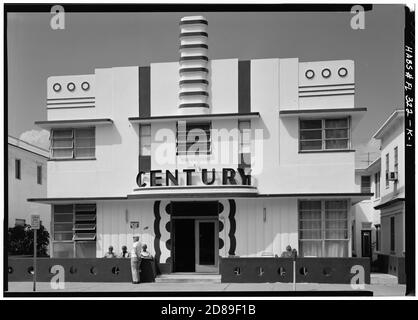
x: 99, y: 40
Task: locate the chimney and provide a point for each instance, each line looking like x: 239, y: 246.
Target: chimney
x: 194, y: 71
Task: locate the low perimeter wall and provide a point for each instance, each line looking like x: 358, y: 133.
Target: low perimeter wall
x: 79, y: 270
x: 315, y: 270
x: 392, y: 265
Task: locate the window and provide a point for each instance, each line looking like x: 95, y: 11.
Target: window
x: 387, y: 171
x: 193, y: 138
x: 323, y: 228
x: 17, y: 169
x: 145, y: 148
x: 39, y: 174
x: 377, y: 185
x: 76, y: 143
x: 324, y: 134
x: 392, y: 234
x: 395, y: 161
x: 244, y: 144
x: 20, y: 222
x: 76, y: 225
x: 365, y: 184
x: 378, y: 235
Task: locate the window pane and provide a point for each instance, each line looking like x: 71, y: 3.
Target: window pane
x: 84, y: 133
x: 336, y: 224
x: 62, y: 153
x: 336, y: 248
x: 310, y: 234
x: 63, y: 250
x: 145, y: 130
x: 84, y: 152
x: 63, y: 236
x: 310, y: 205
x: 85, y: 249
x: 311, y: 145
x: 63, y: 217
x: 63, y: 208
x: 310, y: 224
x: 336, y: 144
x: 63, y: 227
x: 244, y: 125
x: 336, y: 123
x: 336, y: 204
x: 85, y: 143
x: 311, y: 134
x: 311, y: 248
x: 336, y: 133
x: 62, y: 133
x: 311, y: 124
x: 336, y: 234
x: 67, y: 143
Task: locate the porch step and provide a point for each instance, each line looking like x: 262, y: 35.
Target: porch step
x: 188, y: 278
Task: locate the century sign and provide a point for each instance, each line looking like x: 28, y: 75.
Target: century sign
x: 229, y: 177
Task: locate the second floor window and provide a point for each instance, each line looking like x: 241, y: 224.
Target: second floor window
x: 76, y: 143
x: 39, y: 174
x: 377, y: 184
x: 387, y: 171
x: 17, y: 169
x: 193, y: 138
x: 395, y: 160
x: 365, y: 184
x: 324, y: 134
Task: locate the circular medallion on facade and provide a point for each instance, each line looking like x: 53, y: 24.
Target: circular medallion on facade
x: 309, y: 74
x: 326, y: 73
x: 71, y: 86
x: 342, y: 72
x: 85, y: 86
x: 56, y: 87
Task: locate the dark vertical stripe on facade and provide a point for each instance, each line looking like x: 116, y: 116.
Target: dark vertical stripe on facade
x: 144, y: 92
x: 244, y: 86
x: 157, y: 218
x: 232, y: 228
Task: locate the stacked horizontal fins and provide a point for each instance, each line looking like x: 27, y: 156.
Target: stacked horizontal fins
x: 193, y: 66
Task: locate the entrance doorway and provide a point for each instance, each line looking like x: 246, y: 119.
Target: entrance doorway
x: 194, y: 236
x: 366, y: 243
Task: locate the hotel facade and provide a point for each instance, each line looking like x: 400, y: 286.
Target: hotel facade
x: 204, y: 159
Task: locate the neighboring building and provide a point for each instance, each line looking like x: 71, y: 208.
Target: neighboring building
x: 366, y: 228
x: 235, y: 158
x: 392, y: 184
x: 27, y: 179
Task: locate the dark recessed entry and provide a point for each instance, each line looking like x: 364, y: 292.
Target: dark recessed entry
x: 194, y: 208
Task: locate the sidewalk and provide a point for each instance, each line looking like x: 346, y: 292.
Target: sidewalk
x: 378, y: 289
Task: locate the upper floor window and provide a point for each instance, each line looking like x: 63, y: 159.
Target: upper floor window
x: 244, y: 152
x: 39, y: 174
x: 377, y: 184
x: 145, y: 148
x: 324, y: 134
x: 395, y: 161
x: 193, y: 138
x: 365, y: 184
x: 18, y: 169
x: 76, y: 143
x: 387, y: 171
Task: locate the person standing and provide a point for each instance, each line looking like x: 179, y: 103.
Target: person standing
x: 135, y: 260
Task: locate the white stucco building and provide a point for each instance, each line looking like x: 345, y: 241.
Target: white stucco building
x: 212, y: 158
x: 27, y: 174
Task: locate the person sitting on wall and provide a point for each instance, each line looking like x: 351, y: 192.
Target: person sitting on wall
x: 294, y: 253
x: 110, y: 253
x: 125, y: 253
x: 144, y: 253
x: 287, y: 253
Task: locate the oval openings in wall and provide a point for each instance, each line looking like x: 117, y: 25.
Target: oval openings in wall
x: 326, y: 73
x: 309, y: 74
x: 71, y: 86
x: 342, y: 72
x: 85, y: 86
x: 56, y: 87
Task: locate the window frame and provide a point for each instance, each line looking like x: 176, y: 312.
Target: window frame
x: 39, y: 174
x: 323, y: 134
x: 387, y: 163
x: 323, y: 229
x: 18, y: 169
x: 209, y: 141
x: 396, y: 161
x: 365, y: 189
x: 392, y: 226
x: 377, y: 185
x: 74, y: 146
